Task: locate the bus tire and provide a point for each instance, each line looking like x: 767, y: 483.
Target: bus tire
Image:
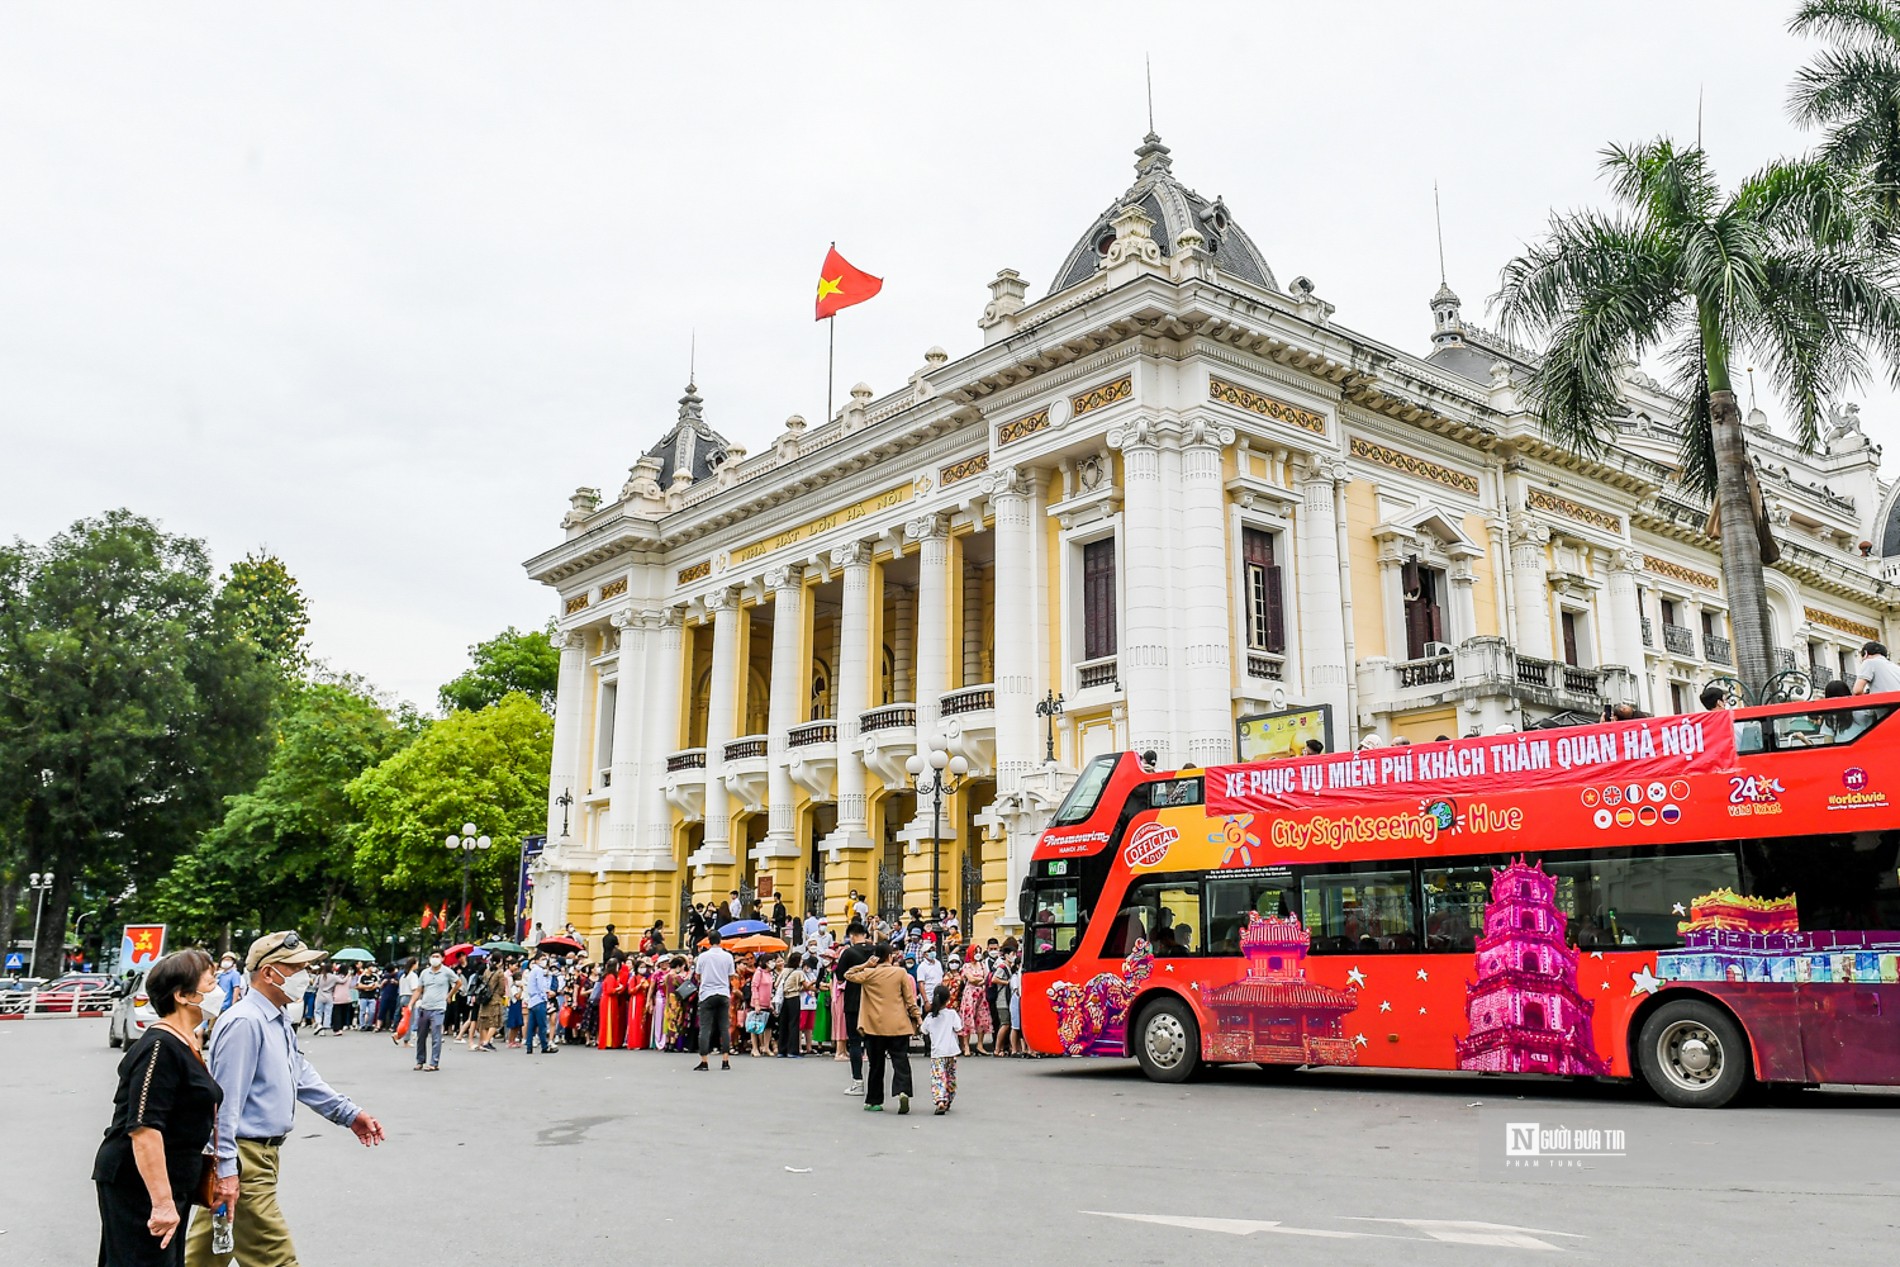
x: 1168, y: 1041
x: 1693, y: 1055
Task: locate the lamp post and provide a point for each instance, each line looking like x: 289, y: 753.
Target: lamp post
x: 565, y: 799
x: 937, y: 761
x: 468, y: 842
x: 1050, y: 706
x: 40, y: 883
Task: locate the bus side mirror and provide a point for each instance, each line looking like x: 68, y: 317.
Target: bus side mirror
x: 1024, y: 904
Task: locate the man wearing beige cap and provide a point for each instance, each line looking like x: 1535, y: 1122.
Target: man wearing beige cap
x: 255, y: 1058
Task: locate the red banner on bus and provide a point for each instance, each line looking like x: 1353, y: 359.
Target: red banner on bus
x: 1642, y: 751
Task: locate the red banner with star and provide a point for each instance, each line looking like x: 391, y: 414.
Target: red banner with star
x: 841, y: 285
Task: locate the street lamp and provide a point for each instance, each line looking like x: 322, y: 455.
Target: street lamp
x: 1050, y: 706
x: 468, y: 842
x: 937, y: 761
x: 40, y: 882
x: 565, y: 799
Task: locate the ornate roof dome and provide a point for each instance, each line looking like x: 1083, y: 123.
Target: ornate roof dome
x: 1175, y: 210
x: 692, y: 446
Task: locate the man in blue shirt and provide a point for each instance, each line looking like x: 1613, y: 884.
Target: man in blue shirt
x: 228, y: 979
x: 256, y: 1060
x: 535, y: 990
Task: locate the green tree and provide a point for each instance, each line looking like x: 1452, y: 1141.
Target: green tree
x: 1852, y: 90
x: 261, y: 598
x: 130, y: 705
x: 283, y: 856
x: 510, y: 661
x: 488, y: 767
x: 1783, y: 270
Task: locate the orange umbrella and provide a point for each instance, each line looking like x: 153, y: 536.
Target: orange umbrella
x: 753, y: 943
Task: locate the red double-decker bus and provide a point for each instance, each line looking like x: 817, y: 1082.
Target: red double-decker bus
x: 1703, y: 902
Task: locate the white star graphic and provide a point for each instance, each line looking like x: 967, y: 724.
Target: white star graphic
x: 1170, y: 968
x: 1606, y: 985
x: 1356, y: 977
x: 1423, y: 975
x: 1678, y: 909
x: 1358, y: 1040
x: 1596, y: 954
x: 1385, y: 1005
x: 1421, y: 1011
x: 1643, y: 981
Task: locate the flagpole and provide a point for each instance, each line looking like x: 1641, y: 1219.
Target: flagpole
x: 831, y: 360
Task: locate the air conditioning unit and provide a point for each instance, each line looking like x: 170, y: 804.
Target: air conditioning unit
x: 1437, y: 648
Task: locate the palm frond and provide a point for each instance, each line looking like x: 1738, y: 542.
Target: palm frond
x: 1841, y: 82
x: 1848, y: 21
x: 1696, y: 449
x: 1666, y: 185
x: 1804, y: 200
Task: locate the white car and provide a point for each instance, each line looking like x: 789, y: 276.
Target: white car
x: 131, y: 1014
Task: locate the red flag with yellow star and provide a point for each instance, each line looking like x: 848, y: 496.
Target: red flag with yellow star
x: 840, y: 285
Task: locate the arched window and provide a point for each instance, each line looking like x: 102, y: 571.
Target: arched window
x: 1534, y: 1016
x: 1530, y: 961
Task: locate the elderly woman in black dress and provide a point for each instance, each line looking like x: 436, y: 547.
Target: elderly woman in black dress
x: 162, y: 1116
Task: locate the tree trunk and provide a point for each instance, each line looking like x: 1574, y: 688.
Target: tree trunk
x: 1742, y: 572
x: 50, y: 950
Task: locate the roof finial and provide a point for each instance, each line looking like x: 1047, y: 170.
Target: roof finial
x: 1438, y: 218
x: 1147, y: 67
x: 692, y: 359
x: 1698, y: 116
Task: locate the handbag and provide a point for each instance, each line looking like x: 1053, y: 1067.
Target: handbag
x: 686, y: 989
x: 205, y: 1192
x: 755, y: 1023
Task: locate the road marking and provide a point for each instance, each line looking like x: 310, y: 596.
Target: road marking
x: 1444, y: 1231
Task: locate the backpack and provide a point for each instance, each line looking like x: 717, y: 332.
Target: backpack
x: 478, y: 991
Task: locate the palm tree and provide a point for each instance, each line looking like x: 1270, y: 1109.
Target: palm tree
x: 1783, y: 270
x: 1853, y: 90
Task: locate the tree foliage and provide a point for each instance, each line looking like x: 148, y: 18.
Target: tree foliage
x: 1852, y: 92
x: 263, y: 600
x: 489, y: 767
x: 510, y: 661
x: 131, y: 703
x: 283, y: 855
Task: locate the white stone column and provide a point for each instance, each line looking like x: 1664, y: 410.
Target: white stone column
x: 1145, y: 662
x: 1323, y: 667
x: 1206, y: 676
x: 660, y: 703
x: 565, y: 767
x: 972, y: 612
x: 932, y: 536
x: 1530, y: 583
x: 1016, y: 751
x: 1621, y: 616
x: 721, y: 725
x: 903, y: 649
x: 1464, y: 601
x: 851, y: 689
x: 785, y: 708
x: 624, y: 804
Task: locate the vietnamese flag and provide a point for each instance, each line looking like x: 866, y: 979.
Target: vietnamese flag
x: 840, y: 285
x: 428, y: 916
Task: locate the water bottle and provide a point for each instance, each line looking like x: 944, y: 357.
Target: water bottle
x: 222, y: 1242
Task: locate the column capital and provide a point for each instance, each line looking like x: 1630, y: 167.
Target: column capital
x: 1322, y: 468
x: 790, y: 576
x: 931, y: 527
x: 851, y: 554
x: 1200, y: 431
x: 574, y: 640
x: 1528, y: 530
x: 1137, y: 433
x: 661, y: 617
x: 1626, y: 560
x: 1011, y: 481
x: 722, y: 600
x: 624, y: 619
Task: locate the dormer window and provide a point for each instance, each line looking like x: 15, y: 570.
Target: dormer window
x: 1104, y: 242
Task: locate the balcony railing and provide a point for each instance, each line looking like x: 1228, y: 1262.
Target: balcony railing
x: 1784, y: 660
x: 1427, y: 672
x: 744, y: 748
x: 1097, y: 672
x: 808, y: 733
x: 691, y: 759
x: 971, y: 699
x: 1717, y: 649
x: 889, y: 717
x: 1649, y: 635
x: 1581, y: 681
x: 1678, y: 640
x: 1533, y: 672
x: 1263, y: 664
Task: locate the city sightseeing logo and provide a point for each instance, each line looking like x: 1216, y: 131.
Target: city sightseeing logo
x: 1857, y: 795
x: 1149, y: 845
x: 1636, y: 804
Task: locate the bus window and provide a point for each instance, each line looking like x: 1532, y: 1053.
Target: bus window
x: 1058, y: 896
x: 1165, y: 912
x: 1169, y: 792
x: 1233, y: 901
x: 1636, y: 901
x: 1838, y: 882
x: 1454, y: 906
x: 1359, y: 912
x: 1825, y: 728
x: 1082, y: 798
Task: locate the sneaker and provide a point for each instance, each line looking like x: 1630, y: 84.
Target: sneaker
x: 903, y: 1104
x: 940, y: 1110
x: 725, y: 1064
x: 701, y: 1067
x: 856, y: 1088
x: 873, y: 1108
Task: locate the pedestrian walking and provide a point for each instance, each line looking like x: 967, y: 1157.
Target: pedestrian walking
x: 386, y: 999
x: 492, y: 1007
x: 342, y: 999
x: 789, y: 987
x: 435, y: 986
x: 149, y: 1166
x: 264, y: 1075
x: 536, y: 989
x: 887, y: 1016
x: 942, y: 1030
x: 713, y: 972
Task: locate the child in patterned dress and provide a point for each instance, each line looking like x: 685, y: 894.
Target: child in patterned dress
x: 941, y: 1028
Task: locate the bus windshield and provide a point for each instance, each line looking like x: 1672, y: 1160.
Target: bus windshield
x: 1082, y: 798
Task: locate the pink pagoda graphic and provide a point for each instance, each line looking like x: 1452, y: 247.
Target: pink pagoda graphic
x: 1273, y: 1014
x: 1525, y: 1011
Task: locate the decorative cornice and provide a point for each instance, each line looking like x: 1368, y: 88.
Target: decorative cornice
x: 957, y: 472
x: 613, y: 589
x: 1266, y: 406
x: 1027, y: 425
x: 1538, y: 499
x: 1102, y: 397
x: 1677, y: 572
x: 1423, y: 468
x: 1844, y: 624
x: 577, y: 603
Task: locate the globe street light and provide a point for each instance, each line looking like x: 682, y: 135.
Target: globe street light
x: 936, y: 762
x: 468, y: 842
x: 40, y: 883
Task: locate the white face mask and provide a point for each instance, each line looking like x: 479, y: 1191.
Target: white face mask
x: 295, y: 985
x: 435, y: 961
x: 211, y: 1004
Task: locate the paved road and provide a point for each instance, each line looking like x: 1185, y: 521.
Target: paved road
x: 572, y: 1157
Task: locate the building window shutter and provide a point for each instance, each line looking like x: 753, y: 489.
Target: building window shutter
x: 1098, y: 599
x: 1276, y: 613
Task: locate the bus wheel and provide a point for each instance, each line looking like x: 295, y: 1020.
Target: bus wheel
x: 1168, y: 1042
x: 1693, y: 1055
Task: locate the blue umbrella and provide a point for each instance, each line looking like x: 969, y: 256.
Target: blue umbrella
x: 743, y: 927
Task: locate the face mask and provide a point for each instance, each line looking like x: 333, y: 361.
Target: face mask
x: 295, y: 985
x: 435, y: 961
